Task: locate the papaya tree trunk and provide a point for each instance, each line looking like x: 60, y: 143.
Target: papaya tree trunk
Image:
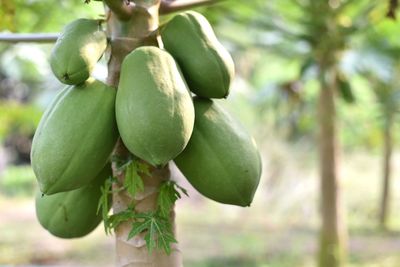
x: 332, y: 233
x: 138, y: 30
x: 387, y: 155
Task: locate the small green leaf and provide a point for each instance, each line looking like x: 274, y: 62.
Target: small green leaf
x: 143, y: 168
x: 137, y: 228
x: 167, y: 197
x: 155, y: 225
x: 104, y: 201
x: 133, y: 183
x: 183, y: 190
x: 158, y: 229
x: 116, y: 219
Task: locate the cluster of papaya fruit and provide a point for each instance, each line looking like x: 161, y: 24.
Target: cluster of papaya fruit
x: 76, y: 135
x: 153, y: 112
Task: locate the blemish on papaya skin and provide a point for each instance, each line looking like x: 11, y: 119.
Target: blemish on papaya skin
x: 65, y: 212
x: 66, y: 77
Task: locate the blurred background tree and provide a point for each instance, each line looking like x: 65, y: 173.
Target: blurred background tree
x: 384, y: 80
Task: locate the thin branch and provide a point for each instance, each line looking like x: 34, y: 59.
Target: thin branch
x: 28, y: 37
x: 122, y: 8
x: 170, y: 6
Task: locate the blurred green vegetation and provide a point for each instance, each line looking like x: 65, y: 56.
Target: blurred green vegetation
x: 44, y: 15
x: 18, y: 118
x: 17, y: 181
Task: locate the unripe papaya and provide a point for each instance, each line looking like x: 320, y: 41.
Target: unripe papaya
x: 207, y: 66
x: 75, y: 137
x: 79, y: 47
x: 154, y: 109
x: 221, y: 160
x: 74, y: 213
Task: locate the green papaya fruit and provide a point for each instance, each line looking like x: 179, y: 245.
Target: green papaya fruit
x: 77, y: 50
x: 207, y: 66
x: 75, y: 137
x: 221, y: 160
x: 74, y: 213
x: 154, y: 109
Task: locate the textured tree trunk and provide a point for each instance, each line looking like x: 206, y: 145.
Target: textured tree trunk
x: 387, y: 155
x: 333, y: 233
x: 126, y: 36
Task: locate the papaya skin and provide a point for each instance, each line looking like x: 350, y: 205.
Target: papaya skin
x: 72, y: 214
x: 154, y: 109
x: 77, y: 50
x: 206, y: 65
x: 75, y: 137
x: 221, y: 160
